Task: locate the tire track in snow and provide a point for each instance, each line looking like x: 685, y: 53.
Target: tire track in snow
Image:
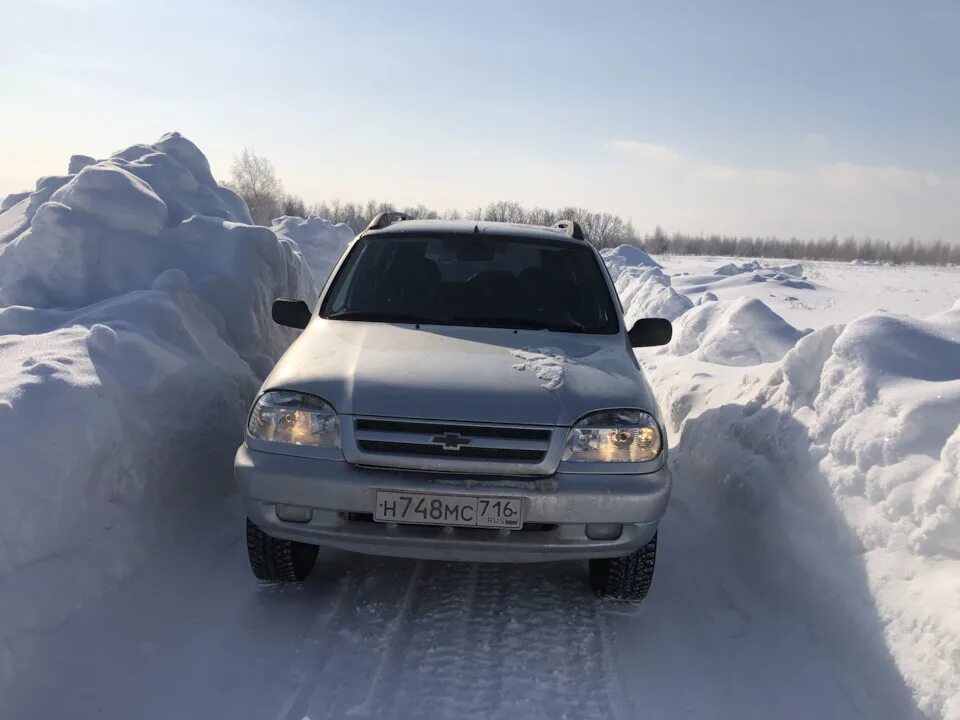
x: 390, y: 647
x: 495, y: 641
x: 458, y: 640
x: 482, y: 697
x: 553, y: 651
x: 616, y: 684
x: 431, y: 679
x: 463, y: 680
x: 339, y: 655
x: 311, y: 663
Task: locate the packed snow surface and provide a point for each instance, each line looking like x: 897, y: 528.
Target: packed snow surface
x: 809, y: 564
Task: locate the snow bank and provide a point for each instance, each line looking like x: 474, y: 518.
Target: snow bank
x: 888, y: 414
x: 644, y: 289
x: 648, y: 293
x: 835, y: 472
x: 320, y: 241
x: 843, y: 468
x: 733, y: 332
x: 626, y: 256
x: 134, y: 328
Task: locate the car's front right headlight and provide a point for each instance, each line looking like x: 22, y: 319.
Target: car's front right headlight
x: 294, y: 418
x: 611, y: 436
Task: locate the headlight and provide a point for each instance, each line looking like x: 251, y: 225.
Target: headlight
x: 614, y: 436
x: 294, y: 418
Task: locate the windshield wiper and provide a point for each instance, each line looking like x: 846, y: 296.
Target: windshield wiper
x: 373, y: 316
x: 517, y: 324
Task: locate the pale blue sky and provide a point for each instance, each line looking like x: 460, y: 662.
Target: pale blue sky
x: 806, y: 118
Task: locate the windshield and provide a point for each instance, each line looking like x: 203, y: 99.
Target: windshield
x: 473, y: 281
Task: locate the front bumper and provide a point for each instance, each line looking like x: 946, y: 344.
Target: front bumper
x: 556, y: 509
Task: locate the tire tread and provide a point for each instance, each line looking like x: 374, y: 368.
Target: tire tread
x: 278, y: 561
x: 625, y: 579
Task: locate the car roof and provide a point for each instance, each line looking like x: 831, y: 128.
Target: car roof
x: 471, y: 227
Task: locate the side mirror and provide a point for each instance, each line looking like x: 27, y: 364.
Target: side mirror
x: 650, y: 332
x: 291, y: 313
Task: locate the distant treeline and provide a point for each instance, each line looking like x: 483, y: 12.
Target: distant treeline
x: 606, y: 230
x: 603, y: 229
x: 254, y: 179
x: 846, y: 250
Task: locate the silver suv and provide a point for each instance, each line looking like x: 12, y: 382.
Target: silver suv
x: 462, y: 391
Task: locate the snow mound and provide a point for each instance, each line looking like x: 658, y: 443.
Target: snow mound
x: 735, y: 281
x: 796, y: 270
x: 620, y: 258
x: 320, y: 241
x: 134, y: 329
x: 754, y: 266
x: 845, y: 468
x: 647, y: 292
x: 733, y: 332
x: 737, y: 269
x: 644, y: 288
x: 884, y: 412
x: 889, y: 405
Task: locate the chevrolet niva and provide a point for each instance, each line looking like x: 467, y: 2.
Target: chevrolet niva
x: 462, y: 391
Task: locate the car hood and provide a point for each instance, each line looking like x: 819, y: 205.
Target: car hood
x: 467, y: 374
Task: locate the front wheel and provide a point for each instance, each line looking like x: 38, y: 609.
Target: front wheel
x: 278, y: 561
x: 625, y: 579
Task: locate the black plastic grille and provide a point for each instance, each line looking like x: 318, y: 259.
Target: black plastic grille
x: 485, y: 431
x: 466, y: 451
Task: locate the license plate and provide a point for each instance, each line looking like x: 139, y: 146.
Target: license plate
x: 459, y: 510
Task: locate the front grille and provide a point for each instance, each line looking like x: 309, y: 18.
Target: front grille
x: 474, y: 453
x: 412, y: 426
x: 443, y: 442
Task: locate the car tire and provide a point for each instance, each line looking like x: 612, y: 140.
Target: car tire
x: 278, y: 561
x: 625, y: 579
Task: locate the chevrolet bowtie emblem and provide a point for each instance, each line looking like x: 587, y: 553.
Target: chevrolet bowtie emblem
x: 451, y: 441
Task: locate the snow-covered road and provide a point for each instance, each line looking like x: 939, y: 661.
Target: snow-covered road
x: 194, y: 636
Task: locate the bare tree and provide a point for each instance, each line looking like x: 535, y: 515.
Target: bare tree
x: 420, y: 212
x: 541, y: 216
x: 505, y: 211
x: 253, y: 178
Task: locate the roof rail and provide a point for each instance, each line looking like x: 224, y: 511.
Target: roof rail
x: 571, y: 228
x: 386, y: 219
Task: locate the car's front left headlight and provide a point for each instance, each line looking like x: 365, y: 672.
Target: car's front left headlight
x: 294, y: 418
x: 614, y: 436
